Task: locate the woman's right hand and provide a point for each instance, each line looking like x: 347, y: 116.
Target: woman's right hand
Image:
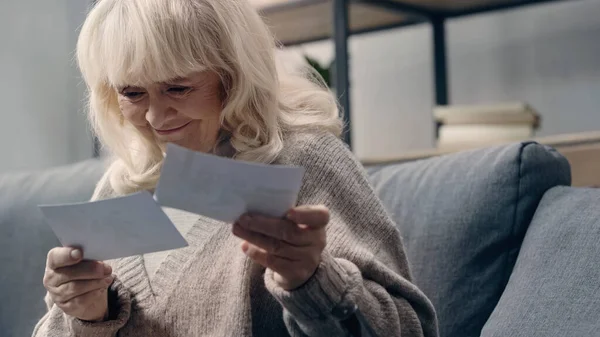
x: 79, y: 288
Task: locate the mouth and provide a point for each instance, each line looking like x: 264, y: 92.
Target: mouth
x: 171, y: 131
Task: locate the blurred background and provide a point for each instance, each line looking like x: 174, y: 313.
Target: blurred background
x: 543, y: 56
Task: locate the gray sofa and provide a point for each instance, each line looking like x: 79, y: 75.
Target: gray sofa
x: 495, y: 237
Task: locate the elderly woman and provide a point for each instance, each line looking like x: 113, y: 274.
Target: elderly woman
x: 201, y: 74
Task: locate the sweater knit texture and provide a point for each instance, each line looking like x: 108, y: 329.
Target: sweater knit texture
x: 183, y: 221
x: 210, y: 288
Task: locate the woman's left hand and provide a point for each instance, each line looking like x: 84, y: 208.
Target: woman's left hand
x: 291, y: 247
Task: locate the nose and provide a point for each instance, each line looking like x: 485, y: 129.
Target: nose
x: 158, y: 112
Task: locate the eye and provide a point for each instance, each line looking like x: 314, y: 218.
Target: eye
x: 178, y: 90
x: 132, y: 93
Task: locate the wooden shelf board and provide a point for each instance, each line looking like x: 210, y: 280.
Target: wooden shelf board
x: 298, y: 21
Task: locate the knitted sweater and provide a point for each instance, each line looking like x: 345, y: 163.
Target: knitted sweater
x: 212, y: 289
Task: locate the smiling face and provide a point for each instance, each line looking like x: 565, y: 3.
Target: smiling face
x: 184, y: 111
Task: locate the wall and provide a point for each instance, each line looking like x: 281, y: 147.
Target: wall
x: 547, y: 55
x: 41, y: 118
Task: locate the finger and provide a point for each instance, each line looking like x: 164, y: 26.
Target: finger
x: 86, y: 306
x: 292, y: 270
x: 276, y: 263
x: 313, y: 216
x: 63, y: 257
x: 280, y: 229
x: 270, y: 244
x: 68, y: 291
x: 85, y: 270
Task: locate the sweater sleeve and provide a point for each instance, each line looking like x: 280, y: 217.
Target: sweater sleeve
x: 364, y: 264
x: 57, y: 323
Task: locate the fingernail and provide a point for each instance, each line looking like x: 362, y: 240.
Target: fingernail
x: 107, y: 269
x: 76, y: 254
x: 245, y: 246
x: 108, y: 280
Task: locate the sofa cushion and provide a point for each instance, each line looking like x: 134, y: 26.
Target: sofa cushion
x: 554, y: 289
x: 463, y: 217
x: 25, y: 239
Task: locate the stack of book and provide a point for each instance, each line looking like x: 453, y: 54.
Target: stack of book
x: 482, y: 125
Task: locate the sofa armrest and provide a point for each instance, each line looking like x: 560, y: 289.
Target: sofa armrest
x: 554, y: 289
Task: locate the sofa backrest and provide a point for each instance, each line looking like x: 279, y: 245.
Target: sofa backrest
x: 25, y: 239
x: 463, y: 217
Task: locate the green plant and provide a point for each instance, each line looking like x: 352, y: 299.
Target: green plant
x: 326, y: 72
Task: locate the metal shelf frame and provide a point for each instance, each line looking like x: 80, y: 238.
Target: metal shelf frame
x: 418, y: 14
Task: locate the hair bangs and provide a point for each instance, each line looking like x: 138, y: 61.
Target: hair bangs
x: 139, y: 44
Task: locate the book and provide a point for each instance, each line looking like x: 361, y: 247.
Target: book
x: 475, y: 135
x: 505, y: 114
